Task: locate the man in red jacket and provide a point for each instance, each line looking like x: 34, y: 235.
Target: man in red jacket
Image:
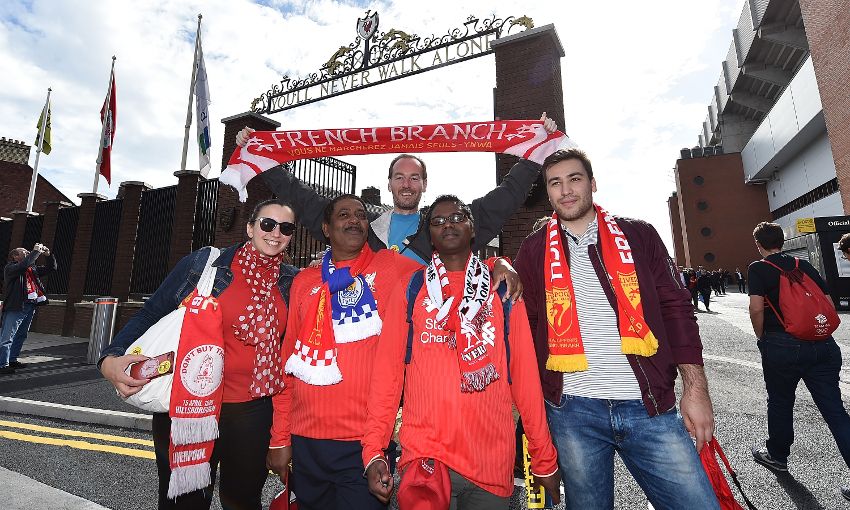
x: 460, y: 383
x: 612, y: 323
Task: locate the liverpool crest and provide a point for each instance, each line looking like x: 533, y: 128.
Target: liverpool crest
x: 367, y: 26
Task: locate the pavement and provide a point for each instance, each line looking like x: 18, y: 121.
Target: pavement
x: 59, y: 383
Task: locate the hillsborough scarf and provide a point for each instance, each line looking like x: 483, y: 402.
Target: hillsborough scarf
x: 258, y: 325
x: 34, y: 292
x: 353, y: 317
x: 196, y: 394
x: 465, y: 316
x: 267, y: 149
x: 566, y: 349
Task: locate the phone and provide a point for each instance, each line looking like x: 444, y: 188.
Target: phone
x: 153, y: 367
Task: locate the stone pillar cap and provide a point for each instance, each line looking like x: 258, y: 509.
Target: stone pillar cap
x: 60, y: 203
x: 246, y: 115
x: 182, y: 173
x: 18, y: 212
x: 545, y: 30
x: 97, y: 196
x: 135, y: 183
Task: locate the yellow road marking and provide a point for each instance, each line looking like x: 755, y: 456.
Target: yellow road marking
x: 80, y: 445
x: 76, y: 433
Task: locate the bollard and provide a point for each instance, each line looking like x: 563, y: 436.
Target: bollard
x: 102, y: 326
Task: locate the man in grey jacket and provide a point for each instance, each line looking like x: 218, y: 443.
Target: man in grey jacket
x: 407, y: 181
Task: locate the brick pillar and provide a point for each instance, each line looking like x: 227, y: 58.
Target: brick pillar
x: 235, y: 123
x: 232, y: 214
x: 19, y: 225
x: 125, y: 247
x: 80, y: 258
x: 827, y: 25
x: 183, y: 222
x: 528, y: 83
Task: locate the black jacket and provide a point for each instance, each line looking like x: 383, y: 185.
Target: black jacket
x: 14, y: 279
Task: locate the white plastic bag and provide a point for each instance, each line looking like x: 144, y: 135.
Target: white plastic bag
x: 163, y: 337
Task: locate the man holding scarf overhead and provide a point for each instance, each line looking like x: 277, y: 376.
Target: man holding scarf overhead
x: 612, y: 323
x: 330, y: 347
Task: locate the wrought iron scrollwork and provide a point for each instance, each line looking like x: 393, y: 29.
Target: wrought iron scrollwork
x: 385, y: 47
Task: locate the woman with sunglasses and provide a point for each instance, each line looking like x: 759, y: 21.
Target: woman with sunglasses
x: 252, y: 285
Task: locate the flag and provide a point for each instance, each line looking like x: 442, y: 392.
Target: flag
x: 202, y: 99
x: 45, y: 144
x: 108, y: 117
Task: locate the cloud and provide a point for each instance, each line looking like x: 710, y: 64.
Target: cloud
x: 624, y: 76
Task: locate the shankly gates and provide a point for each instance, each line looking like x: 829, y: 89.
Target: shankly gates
x: 125, y: 247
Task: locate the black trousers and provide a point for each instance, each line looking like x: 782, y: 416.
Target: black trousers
x: 244, y: 435
x: 328, y: 475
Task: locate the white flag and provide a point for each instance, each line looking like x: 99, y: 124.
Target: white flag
x: 202, y: 114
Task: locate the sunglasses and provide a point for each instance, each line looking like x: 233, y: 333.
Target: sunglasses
x: 457, y: 217
x: 268, y: 224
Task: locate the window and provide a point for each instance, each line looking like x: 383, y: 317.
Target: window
x: 698, y: 180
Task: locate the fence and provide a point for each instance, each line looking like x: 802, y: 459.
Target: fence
x: 102, y: 254
x: 62, y: 247
x: 153, y: 240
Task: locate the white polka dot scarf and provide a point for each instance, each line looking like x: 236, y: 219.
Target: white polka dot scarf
x: 258, y: 324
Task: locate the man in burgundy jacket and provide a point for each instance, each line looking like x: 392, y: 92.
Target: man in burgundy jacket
x: 626, y: 325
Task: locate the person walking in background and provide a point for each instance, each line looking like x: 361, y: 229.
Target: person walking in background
x: 787, y: 359
x: 24, y: 291
x: 742, y: 281
x: 704, y: 286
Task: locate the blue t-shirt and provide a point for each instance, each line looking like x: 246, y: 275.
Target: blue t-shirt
x: 401, y: 226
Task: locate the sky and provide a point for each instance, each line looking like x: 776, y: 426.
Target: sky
x: 637, y: 77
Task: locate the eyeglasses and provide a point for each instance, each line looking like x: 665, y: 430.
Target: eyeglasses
x: 268, y: 224
x: 457, y: 217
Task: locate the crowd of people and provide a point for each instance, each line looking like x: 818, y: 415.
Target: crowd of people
x: 401, y: 314
x: 702, y: 282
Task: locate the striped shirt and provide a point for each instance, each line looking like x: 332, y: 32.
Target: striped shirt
x: 609, y: 374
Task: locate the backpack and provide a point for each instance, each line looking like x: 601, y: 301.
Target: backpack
x: 413, y: 288
x: 807, y: 313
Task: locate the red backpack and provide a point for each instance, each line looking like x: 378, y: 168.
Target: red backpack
x: 807, y: 313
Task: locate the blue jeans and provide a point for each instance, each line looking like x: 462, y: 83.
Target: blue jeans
x: 785, y: 360
x: 16, y: 325
x: 657, y: 451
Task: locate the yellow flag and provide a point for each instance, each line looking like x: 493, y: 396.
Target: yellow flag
x: 45, y: 146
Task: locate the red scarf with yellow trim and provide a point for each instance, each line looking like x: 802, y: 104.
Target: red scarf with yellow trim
x: 566, y: 349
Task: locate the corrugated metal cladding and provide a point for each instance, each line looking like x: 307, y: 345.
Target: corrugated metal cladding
x: 712, y: 113
x: 706, y: 131
x: 731, y: 69
x: 720, y: 92
x: 757, y: 10
x: 745, y: 35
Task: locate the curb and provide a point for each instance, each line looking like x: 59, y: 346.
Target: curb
x: 76, y: 413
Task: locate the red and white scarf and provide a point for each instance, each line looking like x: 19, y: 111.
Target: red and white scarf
x: 464, y: 318
x: 196, y: 394
x: 259, y: 325
x: 342, y: 310
x: 527, y: 139
x: 34, y: 292
x: 566, y: 347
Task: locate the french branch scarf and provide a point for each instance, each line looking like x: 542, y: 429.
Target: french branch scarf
x: 566, y: 348
x: 264, y: 150
x: 464, y: 319
x: 258, y: 325
x: 353, y: 317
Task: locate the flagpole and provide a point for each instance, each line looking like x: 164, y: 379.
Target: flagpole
x: 44, y: 120
x: 191, y: 93
x: 103, y: 128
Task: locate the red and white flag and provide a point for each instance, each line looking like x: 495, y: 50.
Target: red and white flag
x: 108, y: 115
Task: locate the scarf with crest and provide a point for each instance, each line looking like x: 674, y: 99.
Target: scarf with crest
x: 463, y: 318
x: 258, y: 324
x: 353, y: 316
x: 566, y: 349
x: 34, y: 292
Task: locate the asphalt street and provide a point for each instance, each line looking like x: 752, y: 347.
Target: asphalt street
x: 113, y: 467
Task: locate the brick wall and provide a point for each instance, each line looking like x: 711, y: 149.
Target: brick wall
x: 528, y: 82
x: 712, y: 195
x: 48, y: 319
x: 827, y: 24
x: 15, y: 186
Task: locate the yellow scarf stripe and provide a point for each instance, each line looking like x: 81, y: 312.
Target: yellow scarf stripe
x: 567, y: 362
x: 646, y: 346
